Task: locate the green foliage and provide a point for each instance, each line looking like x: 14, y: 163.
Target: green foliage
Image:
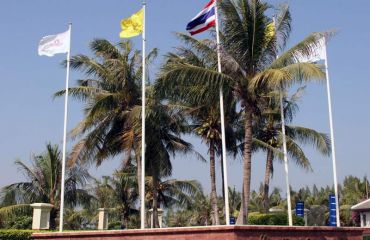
x: 117, y: 225
x: 15, y: 234
x: 19, y: 222
x: 273, y: 219
x: 43, y: 181
x: 354, y: 190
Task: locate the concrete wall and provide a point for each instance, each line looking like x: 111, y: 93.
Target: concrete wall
x: 215, y: 233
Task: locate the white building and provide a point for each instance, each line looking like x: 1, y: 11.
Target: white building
x: 364, y: 209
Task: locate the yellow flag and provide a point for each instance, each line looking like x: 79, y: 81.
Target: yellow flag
x: 133, y: 25
x: 270, y: 31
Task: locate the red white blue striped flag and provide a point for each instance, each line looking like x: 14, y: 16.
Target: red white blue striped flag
x: 203, y: 20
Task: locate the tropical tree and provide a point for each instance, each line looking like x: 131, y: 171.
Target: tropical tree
x: 204, y: 117
x: 43, y: 184
x: 354, y: 190
x: 118, y: 194
x: 235, y: 199
x: 125, y: 194
x: 165, y: 124
x: 257, y: 198
x: 112, y: 123
x: 112, y: 96
x: 250, y: 68
x: 171, y: 193
x: 198, y: 213
x: 268, y: 130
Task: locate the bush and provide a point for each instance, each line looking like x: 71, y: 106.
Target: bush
x: 19, y: 222
x: 115, y: 225
x: 15, y: 234
x: 273, y: 219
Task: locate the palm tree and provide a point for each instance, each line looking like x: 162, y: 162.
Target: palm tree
x: 165, y: 124
x: 207, y: 126
x: 204, y: 115
x: 125, y: 193
x: 269, y: 132
x: 117, y: 193
x: 235, y: 201
x: 354, y: 190
x: 257, y: 199
x: 112, y: 123
x: 171, y: 193
x: 250, y: 67
x: 198, y: 213
x: 111, y: 93
x: 43, y: 183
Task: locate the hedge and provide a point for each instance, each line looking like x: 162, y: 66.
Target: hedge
x: 273, y: 219
x: 15, y: 234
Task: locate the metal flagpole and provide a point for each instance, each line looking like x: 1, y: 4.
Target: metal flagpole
x: 285, y: 151
x: 224, y: 162
x: 61, y: 213
x: 285, y: 160
x: 142, y: 200
x: 332, y: 137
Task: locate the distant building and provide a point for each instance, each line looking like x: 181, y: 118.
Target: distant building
x: 363, y: 208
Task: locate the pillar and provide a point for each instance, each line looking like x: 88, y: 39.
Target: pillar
x: 160, y: 217
x: 41, y: 216
x: 103, y: 219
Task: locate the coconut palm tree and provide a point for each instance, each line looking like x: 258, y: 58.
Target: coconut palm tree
x: 204, y: 116
x: 198, y: 213
x: 234, y: 201
x: 207, y: 126
x: 125, y: 194
x: 112, y: 123
x: 111, y: 92
x: 205, y: 123
x: 43, y: 183
x: 171, y: 193
x: 118, y: 194
x: 165, y: 124
x: 269, y: 131
x: 250, y: 68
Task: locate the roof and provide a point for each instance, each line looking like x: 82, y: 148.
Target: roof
x: 365, y: 205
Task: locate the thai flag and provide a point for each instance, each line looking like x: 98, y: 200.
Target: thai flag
x: 204, y: 20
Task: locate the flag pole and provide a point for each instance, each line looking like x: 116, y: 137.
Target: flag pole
x: 224, y: 162
x: 142, y: 200
x: 61, y: 213
x: 285, y: 160
x: 332, y: 137
x: 285, y: 151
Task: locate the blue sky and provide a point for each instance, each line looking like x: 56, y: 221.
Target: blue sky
x: 30, y: 117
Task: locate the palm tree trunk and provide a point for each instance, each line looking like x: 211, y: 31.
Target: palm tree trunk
x: 215, y: 218
x: 155, y: 200
x: 266, y: 183
x: 53, y: 216
x: 247, y: 168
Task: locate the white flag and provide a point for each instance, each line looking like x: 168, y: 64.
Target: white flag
x: 53, y: 44
x: 318, y: 53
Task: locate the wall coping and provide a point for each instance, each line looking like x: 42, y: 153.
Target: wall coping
x: 201, y: 229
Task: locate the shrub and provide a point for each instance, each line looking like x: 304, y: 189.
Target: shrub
x: 19, y: 222
x: 115, y: 225
x: 15, y: 234
x: 273, y: 219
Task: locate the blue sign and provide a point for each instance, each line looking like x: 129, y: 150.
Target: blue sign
x: 232, y: 220
x: 332, y: 211
x: 299, y: 209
